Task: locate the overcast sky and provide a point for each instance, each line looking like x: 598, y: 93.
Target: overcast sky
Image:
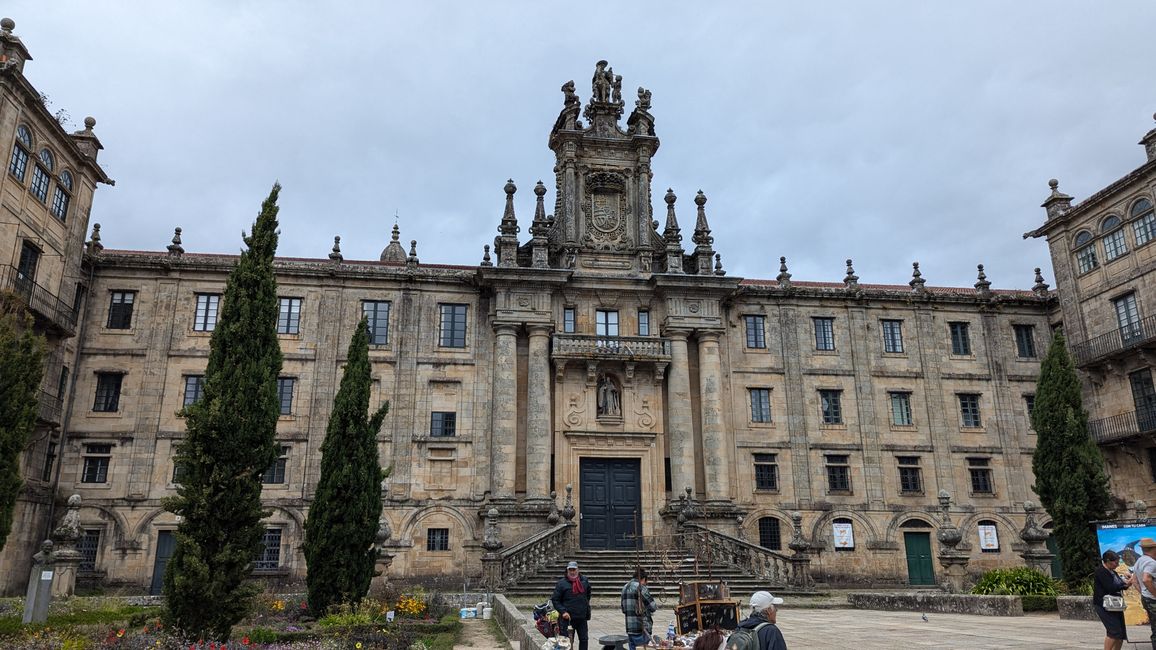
x: 882, y: 131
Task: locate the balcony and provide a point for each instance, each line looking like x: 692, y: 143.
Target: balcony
x: 1098, y: 349
x: 43, y: 303
x: 49, y: 408
x: 1123, y: 427
x: 621, y: 348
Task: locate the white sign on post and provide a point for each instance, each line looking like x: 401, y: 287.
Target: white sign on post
x: 45, y: 575
x: 988, y: 538
x: 844, y: 538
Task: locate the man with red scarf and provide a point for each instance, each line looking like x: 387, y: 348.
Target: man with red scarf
x: 572, y: 600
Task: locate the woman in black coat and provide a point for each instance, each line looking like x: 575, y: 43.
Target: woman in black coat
x: 1109, y: 583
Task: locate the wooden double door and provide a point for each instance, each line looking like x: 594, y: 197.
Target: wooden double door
x: 610, y: 503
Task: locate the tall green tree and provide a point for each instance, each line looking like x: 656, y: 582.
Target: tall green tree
x: 229, y: 443
x: 342, y: 522
x: 21, y: 369
x: 1067, y: 464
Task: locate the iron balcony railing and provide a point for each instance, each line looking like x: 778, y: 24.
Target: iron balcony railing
x: 50, y: 408
x: 638, y: 348
x: 40, y: 300
x: 1125, y: 426
x: 1122, y: 339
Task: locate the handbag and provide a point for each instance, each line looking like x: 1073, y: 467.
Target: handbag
x: 1113, y: 603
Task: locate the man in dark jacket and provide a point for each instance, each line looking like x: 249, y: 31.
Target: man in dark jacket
x: 639, y: 607
x: 763, y: 610
x: 572, y: 600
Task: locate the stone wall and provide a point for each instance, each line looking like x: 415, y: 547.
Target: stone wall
x: 928, y: 602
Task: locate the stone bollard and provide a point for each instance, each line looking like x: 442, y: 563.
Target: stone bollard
x: 39, y: 595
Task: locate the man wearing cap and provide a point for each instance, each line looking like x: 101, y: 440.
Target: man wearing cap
x: 1144, y: 569
x: 763, y: 612
x: 572, y: 600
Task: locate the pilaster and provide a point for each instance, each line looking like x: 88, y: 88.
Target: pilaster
x: 680, y: 433
x: 716, y: 456
x: 539, y: 436
x: 504, y: 432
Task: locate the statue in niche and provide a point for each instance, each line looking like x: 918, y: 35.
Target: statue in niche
x: 609, y: 399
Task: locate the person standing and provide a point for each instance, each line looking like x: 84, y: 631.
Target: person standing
x: 1109, y: 583
x: 572, y: 600
x: 1143, y: 571
x: 639, y: 607
x: 764, y: 612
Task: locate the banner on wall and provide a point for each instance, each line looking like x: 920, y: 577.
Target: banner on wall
x: 844, y: 538
x: 988, y: 538
x: 1124, y: 537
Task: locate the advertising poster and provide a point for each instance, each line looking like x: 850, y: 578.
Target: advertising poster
x: 844, y: 538
x: 1124, y: 537
x: 988, y: 538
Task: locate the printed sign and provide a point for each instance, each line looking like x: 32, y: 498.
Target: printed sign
x: 988, y: 538
x: 844, y: 538
x: 45, y: 575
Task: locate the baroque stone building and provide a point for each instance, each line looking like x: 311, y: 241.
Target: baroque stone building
x: 599, y: 350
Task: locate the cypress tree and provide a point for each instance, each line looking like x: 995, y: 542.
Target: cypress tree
x: 1068, y: 467
x: 229, y: 443
x: 342, y: 521
x: 21, y: 369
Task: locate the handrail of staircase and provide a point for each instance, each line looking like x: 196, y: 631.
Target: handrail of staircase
x: 534, y: 552
x: 721, y: 548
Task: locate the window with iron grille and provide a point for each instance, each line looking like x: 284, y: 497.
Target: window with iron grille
x: 770, y: 535
x: 205, y: 319
x: 1144, y: 224
x: 892, y: 336
x: 900, y: 408
x: 1127, y: 316
x: 61, y: 198
x: 120, y: 310
x: 766, y: 472
x: 289, y: 316
x: 756, y: 331
x: 88, y: 545
x: 285, y: 394
x: 275, y: 473
x: 443, y: 424
x: 269, y: 557
x: 760, y: 404
x: 569, y: 321
x: 1030, y: 406
x: 376, y: 314
x: 49, y: 462
x: 453, y: 326
x: 960, y: 339
x: 910, y: 475
x: 18, y: 165
x: 107, y: 392
x: 437, y: 539
x: 96, y: 461
x: 824, y: 333
x: 838, y: 473
x: 643, y: 322
x: 831, y: 406
x: 969, y: 410
x: 980, y: 471
x: 194, y: 387
x: 39, y: 186
x: 1025, y: 341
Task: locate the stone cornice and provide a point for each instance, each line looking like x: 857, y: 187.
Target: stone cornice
x: 1096, y: 200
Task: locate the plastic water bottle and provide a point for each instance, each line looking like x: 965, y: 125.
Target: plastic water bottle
x: 670, y: 631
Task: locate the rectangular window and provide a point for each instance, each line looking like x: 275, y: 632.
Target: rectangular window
x: 1144, y: 228
x: 969, y: 410
x: 275, y: 473
x: 606, y: 322
x: 269, y: 557
x: 1127, y: 317
x: 88, y: 545
x: 437, y: 539
x: 893, y: 336
x: 980, y: 471
x: 756, y: 331
x: 1030, y: 406
x: 766, y: 472
x: 194, y: 386
x: 838, y: 473
x: 1152, y: 463
x: 19, y: 163
x: 1086, y: 258
x: 62, y: 386
x: 760, y: 404
x: 285, y: 394
x: 900, y: 409
x: 39, y: 187
x: 1114, y: 245
x: 29, y: 260
x: 824, y: 333
x: 453, y: 326
x: 60, y: 200
x: 49, y: 462
x: 205, y: 320
x: 569, y: 322
x: 443, y: 424
x: 179, y: 472
x: 960, y: 339
x: 1144, y: 397
x: 910, y: 475
x: 107, y: 392
x: 1025, y: 341
x: 377, y: 315
x: 120, y: 310
x: 289, y: 316
x: 643, y: 322
x: 96, y: 461
x: 770, y: 536
x: 831, y: 405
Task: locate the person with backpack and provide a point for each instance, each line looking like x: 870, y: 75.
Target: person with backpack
x: 572, y: 600
x: 759, y: 631
x: 639, y: 607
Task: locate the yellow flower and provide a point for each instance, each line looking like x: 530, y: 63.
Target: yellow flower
x: 358, y: 645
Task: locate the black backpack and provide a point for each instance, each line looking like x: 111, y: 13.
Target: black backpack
x: 745, y: 638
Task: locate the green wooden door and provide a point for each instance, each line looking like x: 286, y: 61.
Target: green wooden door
x: 919, y: 567
x: 1057, y: 570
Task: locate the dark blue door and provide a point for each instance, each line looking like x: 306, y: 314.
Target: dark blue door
x: 165, y: 544
x: 610, y: 496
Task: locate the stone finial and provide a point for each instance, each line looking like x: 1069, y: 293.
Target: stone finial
x: 94, y: 245
x: 540, y: 202
x: 1040, y: 288
x: 701, y: 227
x: 672, y: 234
x: 69, y: 529
x: 917, y: 282
x: 412, y: 259
x: 7, y: 25
x: 982, y: 286
x: 784, y: 277
x: 568, y: 508
x: 850, y: 281
x: 949, y: 535
x: 1057, y: 202
x: 798, y: 543
x: 394, y: 253
x: 486, y: 261
x: 175, y: 249
x: 491, y: 542
x: 555, y: 516
x: 1149, y: 142
x: 335, y: 254
x: 718, y: 267
x: 509, y: 225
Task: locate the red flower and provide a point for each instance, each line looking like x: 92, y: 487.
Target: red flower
x: 304, y: 606
x: 120, y: 633
x: 245, y: 640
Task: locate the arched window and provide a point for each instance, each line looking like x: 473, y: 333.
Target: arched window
x: 62, y: 197
x: 44, y: 164
x: 915, y: 523
x: 1085, y: 252
x: 47, y: 159
x: 1114, y: 245
x: 1144, y: 222
x: 18, y: 165
x: 988, y: 536
x: 843, y: 534
x: 770, y: 533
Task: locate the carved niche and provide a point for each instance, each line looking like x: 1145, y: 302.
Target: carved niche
x: 607, y: 212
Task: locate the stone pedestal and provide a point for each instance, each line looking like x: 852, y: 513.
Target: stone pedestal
x: 1036, y: 554
x: 800, y: 559
x: 39, y: 594
x: 67, y: 557
x: 954, y: 562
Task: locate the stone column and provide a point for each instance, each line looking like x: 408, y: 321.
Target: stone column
x: 716, y: 459
x: 680, y: 435
x: 504, y: 432
x: 953, y: 561
x: 539, y: 437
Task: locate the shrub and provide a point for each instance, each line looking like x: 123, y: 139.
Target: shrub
x: 1020, y: 581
